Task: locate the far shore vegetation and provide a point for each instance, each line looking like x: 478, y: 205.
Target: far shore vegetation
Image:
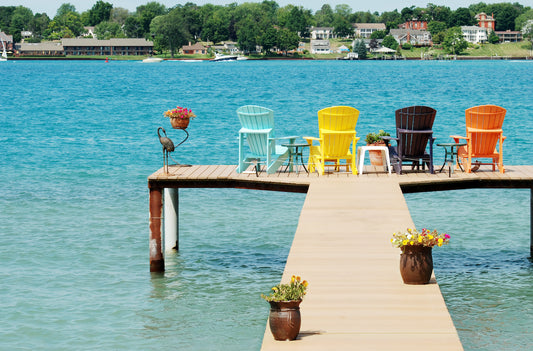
x: 276, y: 30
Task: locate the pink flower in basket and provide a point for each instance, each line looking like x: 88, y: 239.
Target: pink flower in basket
x: 180, y: 112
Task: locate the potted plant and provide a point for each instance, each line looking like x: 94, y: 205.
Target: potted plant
x: 375, y: 139
x: 284, y: 300
x: 180, y: 117
x: 416, y: 260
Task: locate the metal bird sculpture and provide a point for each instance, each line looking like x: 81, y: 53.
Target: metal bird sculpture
x: 168, y: 146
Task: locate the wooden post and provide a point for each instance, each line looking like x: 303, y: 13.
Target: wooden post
x: 157, y: 263
x: 171, y: 219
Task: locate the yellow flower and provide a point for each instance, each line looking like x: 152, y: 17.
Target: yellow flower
x: 275, y: 289
x: 430, y: 236
x: 404, y: 242
x: 412, y: 242
x: 440, y: 241
x: 419, y: 239
x: 293, y: 278
x: 305, y: 283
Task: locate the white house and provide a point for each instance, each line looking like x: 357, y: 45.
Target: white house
x: 474, y: 34
x: 320, y: 47
x: 365, y: 30
x: 322, y: 33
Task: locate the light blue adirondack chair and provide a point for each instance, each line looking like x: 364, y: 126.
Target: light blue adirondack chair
x: 258, y: 132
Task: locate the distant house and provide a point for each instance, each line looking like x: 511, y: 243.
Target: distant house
x: 195, y: 49
x: 474, y: 34
x: 485, y: 21
x: 320, y: 33
x: 117, y: 46
x: 365, y: 30
x: 90, y: 31
x: 7, y: 40
x: 412, y: 36
x: 414, y: 24
x: 342, y: 49
x: 509, y: 36
x: 320, y: 47
x: 227, y: 46
x: 25, y: 34
x: 47, y: 48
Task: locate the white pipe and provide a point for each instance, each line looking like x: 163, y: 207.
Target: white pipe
x: 171, y: 219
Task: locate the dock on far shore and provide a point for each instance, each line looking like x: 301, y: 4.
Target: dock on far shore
x: 356, y: 297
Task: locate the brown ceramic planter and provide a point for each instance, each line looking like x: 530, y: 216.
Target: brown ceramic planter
x: 416, y: 264
x: 285, y: 319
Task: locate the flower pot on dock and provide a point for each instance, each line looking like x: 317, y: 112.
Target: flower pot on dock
x: 416, y: 264
x: 285, y: 319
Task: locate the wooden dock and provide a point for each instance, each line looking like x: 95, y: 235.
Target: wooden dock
x: 356, y: 298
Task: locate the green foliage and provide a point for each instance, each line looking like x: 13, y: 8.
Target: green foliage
x: 360, y: 49
x: 493, y: 38
x: 107, y: 30
x: 287, y: 40
x: 374, y: 138
x: 390, y: 42
x: 435, y: 27
x: 378, y: 34
x: 100, y: 12
x: 293, y: 291
x: 454, y: 41
x: 407, y: 46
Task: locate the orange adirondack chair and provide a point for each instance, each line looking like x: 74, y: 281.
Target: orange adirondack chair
x: 336, y: 127
x: 484, y: 137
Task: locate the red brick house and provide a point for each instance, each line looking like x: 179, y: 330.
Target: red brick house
x: 485, y: 21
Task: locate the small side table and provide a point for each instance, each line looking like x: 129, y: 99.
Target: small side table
x: 451, y: 155
x: 295, y: 151
x: 361, y: 156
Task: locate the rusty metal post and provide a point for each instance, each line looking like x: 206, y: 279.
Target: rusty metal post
x: 157, y: 263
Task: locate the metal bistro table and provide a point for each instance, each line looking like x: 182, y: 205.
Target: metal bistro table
x: 295, y: 151
x: 450, y: 150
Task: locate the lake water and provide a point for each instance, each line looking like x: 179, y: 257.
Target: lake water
x: 78, y: 140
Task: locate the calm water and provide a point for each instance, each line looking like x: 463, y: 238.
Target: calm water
x: 78, y: 140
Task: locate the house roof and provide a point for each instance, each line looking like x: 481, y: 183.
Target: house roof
x: 6, y: 38
x: 398, y: 32
x: 195, y: 46
x: 44, y: 46
x: 110, y: 42
x: 380, y: 26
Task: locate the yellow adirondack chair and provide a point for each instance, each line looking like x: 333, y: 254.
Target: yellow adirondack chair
x: 484, y: 137
x: 336, y: 126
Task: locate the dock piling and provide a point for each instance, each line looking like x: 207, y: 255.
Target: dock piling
x: 171, y: 221
x: 157, y: 263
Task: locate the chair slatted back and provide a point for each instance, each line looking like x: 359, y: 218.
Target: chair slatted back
x: 257, y: 118
x: 337, y: 118
x: 484, y: 117
x: 414, y: 118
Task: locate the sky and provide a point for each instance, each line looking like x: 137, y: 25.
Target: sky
x: 50, y: 6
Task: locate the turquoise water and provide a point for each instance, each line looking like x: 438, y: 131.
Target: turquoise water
x: 78, y: 140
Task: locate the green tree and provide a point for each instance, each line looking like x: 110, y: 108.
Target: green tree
x: 360, y: 49
x: 378, y: 34
x: 64, y: 9
x: 248, y: 34
x: 20, y: 20
x: 505, y: 15
x: 342, y: 27
x: 324, y: 17
x: 40, y: 25
x: 107, y: 30
x: 390, y: 42
x: 438, y: 13
x: 6, y: 13
x: 146, y: 13
x: 435, y: 27
x: 133, y: 28
x: 454, y: 41
x: 119, y: 15
x: 268, y: 39
x: 522, y: 20
x: 170, y: 31
x: 391, y: 19
x: 493, y: 38
x: 216, y: 27
x: 100, y: 12
x: 461, y: 17
x: 287, y: 40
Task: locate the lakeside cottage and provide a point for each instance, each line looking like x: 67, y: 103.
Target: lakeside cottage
x: 194, y: 49
x: 412, y: 36
x: 365, y: 30
x: 320, y: 47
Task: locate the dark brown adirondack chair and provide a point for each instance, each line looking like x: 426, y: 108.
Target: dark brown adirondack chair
x: 413, y: 134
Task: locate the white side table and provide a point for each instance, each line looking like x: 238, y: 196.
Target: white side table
x: 361, y: 156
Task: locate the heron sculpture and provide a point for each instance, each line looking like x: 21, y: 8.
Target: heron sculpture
x: 168, y: 146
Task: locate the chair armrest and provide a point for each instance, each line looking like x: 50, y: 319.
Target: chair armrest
x: 409, y: 131
x: 327, y: 131
x: 388, y: 138
x: 477, y: 130
x: 458, y: 137
x: 284, y: 138
x: 311, y: 139
x: 255, y: 131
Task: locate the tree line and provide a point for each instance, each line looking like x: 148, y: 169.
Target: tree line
x: 264, y: 24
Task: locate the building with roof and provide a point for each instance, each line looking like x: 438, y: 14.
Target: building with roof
x: 47, y: 48
x: 508, y: 36
x: 7, y: 40
x: 320, y: 47
x: 485, y: 21
x: 116, y: 46
x: 474, y: 34
x: 194, y: 49
x: 320, y: 33
x: 365, y: 30
x: 412, y: 36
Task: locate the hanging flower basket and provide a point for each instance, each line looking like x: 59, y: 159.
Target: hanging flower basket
x: 180, y: 117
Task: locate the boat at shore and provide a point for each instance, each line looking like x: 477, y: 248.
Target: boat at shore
x: 152, y: 60
x: 4, y: 53
x: 221, y: 57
